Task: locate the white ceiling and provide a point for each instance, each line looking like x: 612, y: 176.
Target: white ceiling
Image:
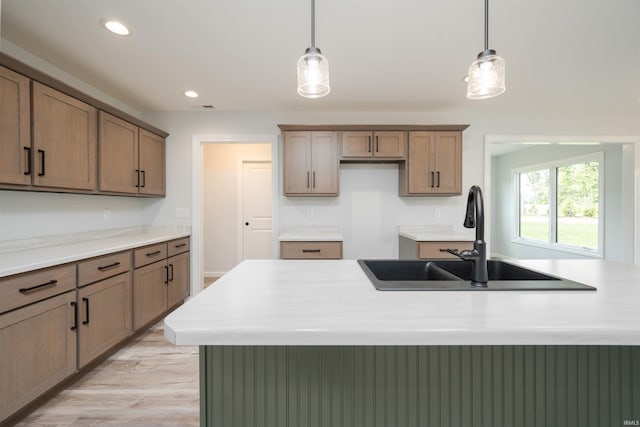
x: 384, y: 55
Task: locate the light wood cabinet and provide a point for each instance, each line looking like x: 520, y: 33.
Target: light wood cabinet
x: 132, y: 160
x: 64, y: 140
x: 15, y: 136
x: 104, y: 317
x: 434, y: 164
x: 311, y: 163
x: 38, y: 345
x: 152, y: 163
x: 411, y: 249
x: 382, y: 145
x: 159, y: 284
x: 311, y: 250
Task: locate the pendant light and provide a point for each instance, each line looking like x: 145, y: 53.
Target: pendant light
x: 486, y: 74
x: 313, y: 68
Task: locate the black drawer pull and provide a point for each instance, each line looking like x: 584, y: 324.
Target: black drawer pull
x: 438, y: 174
x: 310, y: 251
x: 42, y: 163
x: 154, y: 253
x: 29, y: 161
x: 166, y: 274
x: 181, y: 245
x: 38, y: 287
x: 75, y: 316
x: 171, y: 269
x: 432, y: 179
x: 86, y: 311
x: 137, y: 178
x: 144, y: 179
x: 107, y: 267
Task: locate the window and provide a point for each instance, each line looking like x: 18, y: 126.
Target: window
x: 559, y: 205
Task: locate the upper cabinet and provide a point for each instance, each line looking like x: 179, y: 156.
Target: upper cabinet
x: 15, y: 139
x: 434, y: 164
x: 373, y: 145
x: 311, y: 163
x: 132, y: 160
x: 64, y: 140
x: 55, y: 138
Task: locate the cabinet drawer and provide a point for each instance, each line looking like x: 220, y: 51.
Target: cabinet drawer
x: 311, y: 250
x: 22, y: 289
x: 103, y: 267
x: 178, y: 246
x: 149, y: 254
x: 431, y: 250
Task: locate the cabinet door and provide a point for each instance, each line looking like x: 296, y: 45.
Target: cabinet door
x: 38, y: 350
x: 357, y: 144
x: 64, y: 140
x: 118, y: 152
x: 420, y: 177
x: 296, y: 155
x: 15, y: 139
x: 149, y: 293
x: 389, y: 144
x: 178, y: 287
x: 151, y: 163
x: 447, y: 162
x: 325, y: 163
x: 104, y: 316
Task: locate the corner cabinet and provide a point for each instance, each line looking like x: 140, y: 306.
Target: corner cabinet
x: 15, y: 136
x: 311, y: 163
x: 434, y: 164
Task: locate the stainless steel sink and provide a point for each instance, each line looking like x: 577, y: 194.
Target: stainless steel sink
x: 440, y: 275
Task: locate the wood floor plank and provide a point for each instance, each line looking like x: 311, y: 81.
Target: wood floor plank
x: 150, y: 382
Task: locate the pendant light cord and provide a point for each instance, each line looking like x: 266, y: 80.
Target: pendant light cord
x: 486, y: 24
x: 313, y: 23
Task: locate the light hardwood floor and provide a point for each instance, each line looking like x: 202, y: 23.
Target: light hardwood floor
x: 150, y: 382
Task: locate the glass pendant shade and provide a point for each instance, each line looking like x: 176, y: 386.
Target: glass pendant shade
x: 313, y: 74
x: 486, y: 76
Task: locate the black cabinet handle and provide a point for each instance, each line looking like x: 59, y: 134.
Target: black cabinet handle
x: 107, y: 267
x: 29, y: 160
x: 171, y: 266
x: 137, y: 178
x: 182, y: 245
x: 86, y: 311
x: 369, y: 138
x: 307, y: 251
x: 166, y: 274
x: 438, y: 174
x: 432, y: 180
x: 75, y: 316
x: 314, y: 179
x: 144, y: 179
x: 38, y: 287
x: 376, y: 144
x: 42, y: 165
x: 154, y: 253
x: 307, y: 179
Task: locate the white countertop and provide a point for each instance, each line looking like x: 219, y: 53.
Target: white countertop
x: 19, y: 256
x: 323, y: 234
x: 434, y: 233
x: 332, y: 302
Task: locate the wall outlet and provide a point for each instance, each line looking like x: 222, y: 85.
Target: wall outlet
x: 182, y: 213
x: 437, y: 213
x: 106, y: 214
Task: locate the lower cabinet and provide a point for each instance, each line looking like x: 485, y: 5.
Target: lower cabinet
x: 104, y: 316
x: 38, y: 350
x: 311, y: 250
x: 160, y: 285
x: 411, y: 249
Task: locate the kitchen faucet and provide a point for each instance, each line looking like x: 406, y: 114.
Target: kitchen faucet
x: 478, y: 255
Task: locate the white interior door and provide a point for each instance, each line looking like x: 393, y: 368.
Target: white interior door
x: 256, y: 207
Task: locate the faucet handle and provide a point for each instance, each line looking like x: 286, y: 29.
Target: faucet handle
x: 451, y: 251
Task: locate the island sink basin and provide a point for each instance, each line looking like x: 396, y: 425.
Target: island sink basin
x: 443, y: 275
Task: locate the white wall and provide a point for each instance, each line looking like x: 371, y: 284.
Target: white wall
x: 221, y: 168
x: 618, y: 241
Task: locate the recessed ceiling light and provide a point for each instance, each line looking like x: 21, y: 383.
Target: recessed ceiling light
x: 191, y: 94
x: 117, y: 28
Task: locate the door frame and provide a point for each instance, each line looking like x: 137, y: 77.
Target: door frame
x: 240, y: 198
x: 197, y: 225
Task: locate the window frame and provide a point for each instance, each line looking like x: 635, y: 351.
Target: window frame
x: 552, y: 167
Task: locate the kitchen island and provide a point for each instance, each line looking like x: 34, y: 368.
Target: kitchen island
x: 296, y: 343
